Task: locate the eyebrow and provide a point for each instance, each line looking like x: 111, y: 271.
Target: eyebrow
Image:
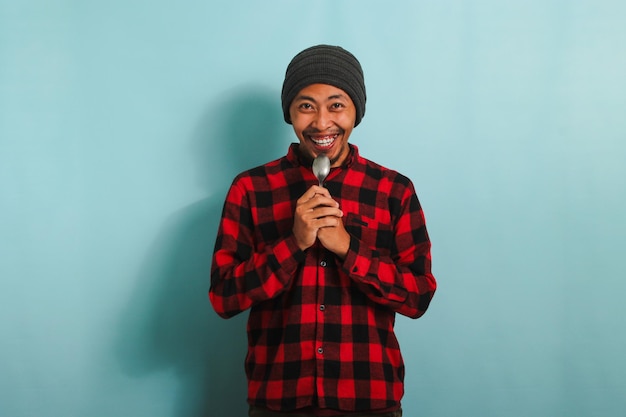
x: 333, y: 97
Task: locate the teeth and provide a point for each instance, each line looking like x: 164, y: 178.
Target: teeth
x: 325, y: 141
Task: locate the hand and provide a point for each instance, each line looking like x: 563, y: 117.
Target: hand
x: 316, y: 210
x: 335, y: 238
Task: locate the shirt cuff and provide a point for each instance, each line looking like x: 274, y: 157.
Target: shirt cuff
x: 288, y: 254
x: 357, y: 263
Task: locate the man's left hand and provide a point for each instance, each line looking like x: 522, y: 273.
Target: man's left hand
x: 335, y: 238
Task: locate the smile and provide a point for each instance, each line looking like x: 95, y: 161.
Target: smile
x: 324, y: 141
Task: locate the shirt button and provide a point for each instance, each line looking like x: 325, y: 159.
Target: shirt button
x: 323, y: 263
x: 320, y: 350
x: 322, y: 307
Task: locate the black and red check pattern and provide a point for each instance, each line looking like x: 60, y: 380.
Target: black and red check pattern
x: 321, y: 330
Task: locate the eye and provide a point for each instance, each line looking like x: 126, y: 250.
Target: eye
x: 337, y: 106
x: 305, y: 106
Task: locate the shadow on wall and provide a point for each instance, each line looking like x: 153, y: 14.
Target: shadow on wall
x: 169, y: 324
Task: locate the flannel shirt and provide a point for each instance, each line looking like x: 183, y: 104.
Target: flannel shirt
x: 321, y: 329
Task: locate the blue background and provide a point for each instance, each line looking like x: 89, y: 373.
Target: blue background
x: 123, y: 122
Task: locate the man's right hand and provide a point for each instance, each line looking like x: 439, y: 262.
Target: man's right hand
x: 314, y: 210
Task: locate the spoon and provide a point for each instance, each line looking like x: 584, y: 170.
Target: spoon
x: 321, y: 168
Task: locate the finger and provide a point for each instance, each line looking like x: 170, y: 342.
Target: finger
x: 328, y: 222
x: 315, y: 203
x: 312, y: 192
x: 322, y: 201
x: 321, y: 190
x: 322, y: 212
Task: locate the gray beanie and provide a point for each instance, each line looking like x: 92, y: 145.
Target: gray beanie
x: 325, y: 64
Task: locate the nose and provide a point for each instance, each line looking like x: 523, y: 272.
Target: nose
x: 323, y: 119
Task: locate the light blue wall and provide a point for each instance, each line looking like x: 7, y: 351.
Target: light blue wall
x: 123, y: 122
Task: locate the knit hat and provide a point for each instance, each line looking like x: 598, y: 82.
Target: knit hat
x: 325, y: 64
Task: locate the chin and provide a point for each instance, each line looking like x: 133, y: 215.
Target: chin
x: 338, y: 153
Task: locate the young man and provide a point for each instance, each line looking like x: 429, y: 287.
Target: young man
x: 323, y: 269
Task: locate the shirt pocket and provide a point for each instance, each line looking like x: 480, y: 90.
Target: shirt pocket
x: 374, y: 234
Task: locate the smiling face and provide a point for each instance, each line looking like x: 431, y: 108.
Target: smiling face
x: 323, y: 117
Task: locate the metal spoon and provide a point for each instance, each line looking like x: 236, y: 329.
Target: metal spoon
x: 321, y: 168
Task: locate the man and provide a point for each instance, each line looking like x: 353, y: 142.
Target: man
x: 323, y: 269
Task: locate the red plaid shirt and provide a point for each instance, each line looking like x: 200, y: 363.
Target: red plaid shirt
x: 321, y: 330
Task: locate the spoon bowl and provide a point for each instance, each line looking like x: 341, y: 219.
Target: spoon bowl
x: 321, y: 168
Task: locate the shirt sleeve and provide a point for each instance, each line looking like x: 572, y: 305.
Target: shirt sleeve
x: 399, y: 278
x: 245, y: 272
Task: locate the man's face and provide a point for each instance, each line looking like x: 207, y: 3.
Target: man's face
x: 323, y: 117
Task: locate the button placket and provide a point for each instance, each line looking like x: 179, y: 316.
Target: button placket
x: 323, y: 263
